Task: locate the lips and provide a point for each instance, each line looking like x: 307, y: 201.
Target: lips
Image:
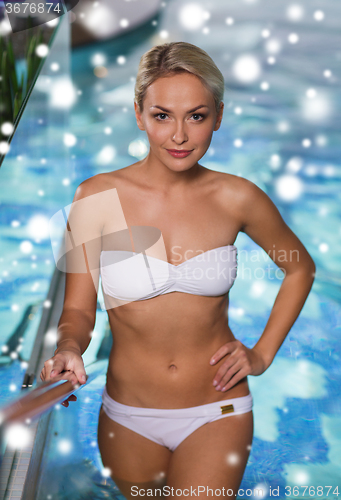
x: 179, y: 153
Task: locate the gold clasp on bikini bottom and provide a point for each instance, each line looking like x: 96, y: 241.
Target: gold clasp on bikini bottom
x: 227, y: 409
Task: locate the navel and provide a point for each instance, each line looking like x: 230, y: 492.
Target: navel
x: 172, y: 367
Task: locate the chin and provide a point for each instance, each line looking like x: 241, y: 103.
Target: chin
x: 181, y: 168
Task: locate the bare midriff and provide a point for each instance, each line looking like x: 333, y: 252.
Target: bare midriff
x: 162, y: 349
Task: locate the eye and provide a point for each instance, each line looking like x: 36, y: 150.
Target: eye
x: 160, y: 114
x: 200, y: 116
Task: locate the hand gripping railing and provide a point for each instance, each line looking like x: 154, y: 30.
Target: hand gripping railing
x: 39, y: 400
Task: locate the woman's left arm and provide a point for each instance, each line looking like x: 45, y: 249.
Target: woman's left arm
x: 264, y: 224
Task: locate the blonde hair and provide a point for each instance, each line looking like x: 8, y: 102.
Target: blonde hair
x: 178, y: 57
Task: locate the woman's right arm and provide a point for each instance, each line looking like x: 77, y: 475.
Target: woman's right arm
x: 77, y: 321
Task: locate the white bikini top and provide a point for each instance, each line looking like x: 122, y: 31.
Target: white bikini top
x: 132, y: 276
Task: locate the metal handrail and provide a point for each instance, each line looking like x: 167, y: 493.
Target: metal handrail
x: 41, y: 399
x: 36, y: 402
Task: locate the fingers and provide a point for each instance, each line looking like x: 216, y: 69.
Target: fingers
x: 73, y: 364
x: 222, y: 351
x: 46, y: 371
x: 225, y: 370
x: 76, y: 375
x: 232, y: 376
x: 65, y: 366
x: 70, y: 376
x: 62, y: 363
x: 58, y: 366
x: 80, y: 371
x: 236, y: 378
x: 70, y: 398
x: 235, y: 367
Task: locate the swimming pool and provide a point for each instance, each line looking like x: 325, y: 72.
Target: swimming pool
x: 281, y: 131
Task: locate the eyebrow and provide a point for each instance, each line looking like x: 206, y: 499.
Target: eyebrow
x: 190, y: 111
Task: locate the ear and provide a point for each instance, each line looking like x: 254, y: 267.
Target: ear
x: 219, y: 117
x: 138, y: 115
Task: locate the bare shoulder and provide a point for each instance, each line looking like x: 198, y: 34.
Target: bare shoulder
x: 247, y: 203
x: 261, y: 220
x: 95, y: 184
x: 96, y: 205
x: 104, y: 181
x: 232, y: 189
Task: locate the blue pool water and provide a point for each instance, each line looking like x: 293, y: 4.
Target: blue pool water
x: 282, y: 132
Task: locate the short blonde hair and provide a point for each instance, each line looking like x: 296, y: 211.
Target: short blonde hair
x: 178, y: 57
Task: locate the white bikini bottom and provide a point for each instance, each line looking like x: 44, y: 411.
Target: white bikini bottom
x: 170, y: 427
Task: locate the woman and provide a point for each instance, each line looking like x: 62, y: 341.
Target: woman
x: 177, y: 410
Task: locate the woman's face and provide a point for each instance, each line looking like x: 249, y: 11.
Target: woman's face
x: 178, y: 114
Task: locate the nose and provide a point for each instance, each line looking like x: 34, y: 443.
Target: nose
x: 180, y: 134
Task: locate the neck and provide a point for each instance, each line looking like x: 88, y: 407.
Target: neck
x: 163, y: 178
